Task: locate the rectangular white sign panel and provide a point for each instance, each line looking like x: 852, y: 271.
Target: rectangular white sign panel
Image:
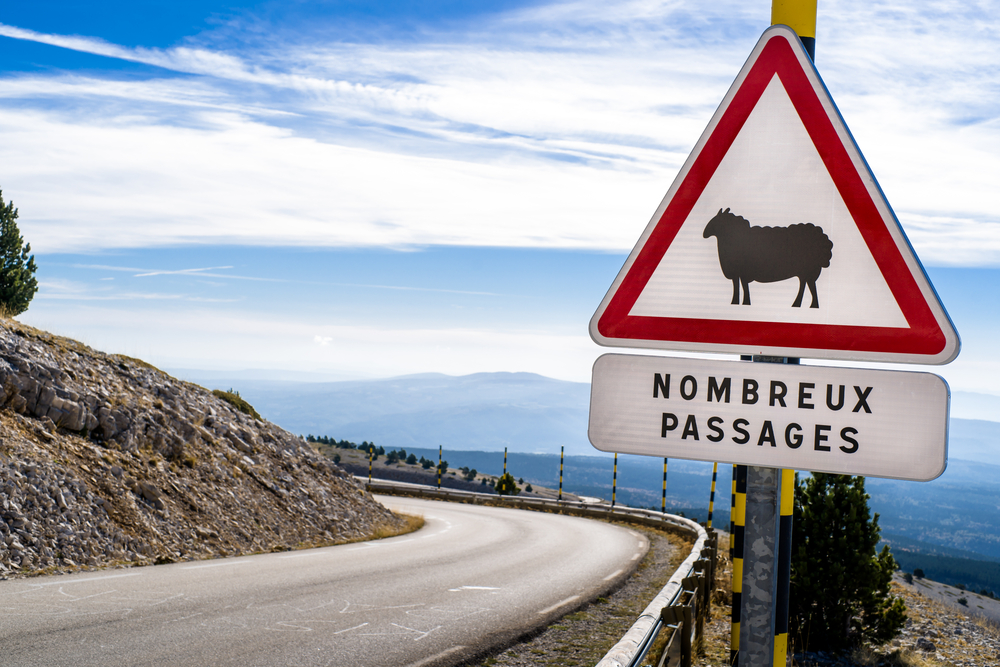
x: 838, y: 420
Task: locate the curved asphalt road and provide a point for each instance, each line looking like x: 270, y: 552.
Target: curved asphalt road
x: 471, y: 578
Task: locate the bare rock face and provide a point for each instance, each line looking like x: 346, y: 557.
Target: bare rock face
x: 106, y: 460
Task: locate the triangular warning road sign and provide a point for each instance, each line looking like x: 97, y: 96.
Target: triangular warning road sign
x: 775, y: 239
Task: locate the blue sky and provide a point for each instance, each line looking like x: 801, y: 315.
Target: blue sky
x: 364, y: 189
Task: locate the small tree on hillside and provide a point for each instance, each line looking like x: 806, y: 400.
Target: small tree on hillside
x: 840, y: 585
x: 506, y: 486
x: 17, y: 266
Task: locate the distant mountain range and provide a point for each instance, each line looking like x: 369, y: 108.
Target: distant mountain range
x: 483, y: 412
x: 473, y: 415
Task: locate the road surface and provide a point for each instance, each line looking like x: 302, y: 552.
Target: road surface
x: 472, y: 577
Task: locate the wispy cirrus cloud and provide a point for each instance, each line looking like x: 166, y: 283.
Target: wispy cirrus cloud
x: 560, y: 125
x: 209, y: 272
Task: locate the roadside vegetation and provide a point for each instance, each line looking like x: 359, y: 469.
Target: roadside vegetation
x: 840, y: 594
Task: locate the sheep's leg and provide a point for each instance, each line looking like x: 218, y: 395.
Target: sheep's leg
x: 812, y: 291
x: 736, y: 291
x: 746, y: 291
x: 802, y: 290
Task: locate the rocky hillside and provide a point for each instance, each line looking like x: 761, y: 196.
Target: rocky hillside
x: 106, y: 460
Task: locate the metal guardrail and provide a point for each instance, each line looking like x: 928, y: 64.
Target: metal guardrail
x: 680, y: 608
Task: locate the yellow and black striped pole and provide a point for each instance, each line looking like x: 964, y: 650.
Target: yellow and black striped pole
x: 732, y: 515
x: 562, y: 454
x: 614, y: 480
x: 800, y: 16
x: 440, y: 447
x: 371, y: 448
x: 505, y: 460
x: 784, y: 566
x: 711, y: 497
x: 736, y: 542
x: 663, y: 503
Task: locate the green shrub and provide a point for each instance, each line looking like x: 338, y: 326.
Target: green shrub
x: 233, y: 398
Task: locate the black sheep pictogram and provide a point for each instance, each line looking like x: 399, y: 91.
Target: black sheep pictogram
x: 769, y: 254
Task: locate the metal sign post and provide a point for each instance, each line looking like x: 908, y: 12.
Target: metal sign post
x: 759, y: 590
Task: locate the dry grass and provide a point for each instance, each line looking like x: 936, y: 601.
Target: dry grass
x: 411, y: 524
x: 407, y: 523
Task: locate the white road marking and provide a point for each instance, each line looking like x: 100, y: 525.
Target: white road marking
x: 184, y: 618
x: 436, y: 657
x: 612, y: 575
x: 635, y: 557
x: 85, y: 597
x: 308, y: 552
x: 473, y: 588
x: 340, y: 632
x: 79, y: 581
x: 560, y: 604
x: 422, y: 633
x: 222, y: 564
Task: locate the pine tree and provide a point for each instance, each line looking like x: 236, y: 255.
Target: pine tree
x: 840, y: 585
x: 17, y: 266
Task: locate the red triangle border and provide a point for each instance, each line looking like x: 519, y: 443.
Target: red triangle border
x: 924, y: 335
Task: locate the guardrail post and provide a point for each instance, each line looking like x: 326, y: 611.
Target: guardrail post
x: 679, y: 617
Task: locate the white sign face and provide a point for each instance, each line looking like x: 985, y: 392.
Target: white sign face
x: 839, y: 420
x: 775, y: 238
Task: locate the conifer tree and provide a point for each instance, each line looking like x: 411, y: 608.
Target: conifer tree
x: 17, y: 267
x: 840, y: 585
x: 506, y: 486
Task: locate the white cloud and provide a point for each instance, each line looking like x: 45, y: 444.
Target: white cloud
x: 207, y: 338
x: 558, y: 126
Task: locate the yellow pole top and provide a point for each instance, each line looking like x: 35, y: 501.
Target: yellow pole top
x: 799, y: 15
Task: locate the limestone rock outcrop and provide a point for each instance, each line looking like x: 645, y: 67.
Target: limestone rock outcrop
x: 106, y: 460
